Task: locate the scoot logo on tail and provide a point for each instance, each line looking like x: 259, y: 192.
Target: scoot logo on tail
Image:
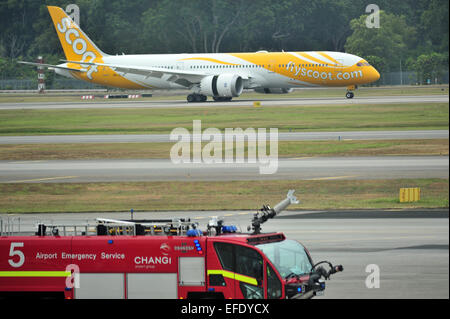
x: 79, y: 45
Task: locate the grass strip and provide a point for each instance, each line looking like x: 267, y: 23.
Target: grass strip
x: 24, y: 152
x: 233, y: 195
x: 416, y: 116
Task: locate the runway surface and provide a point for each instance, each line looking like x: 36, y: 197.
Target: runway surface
x: 101, y: 103
x: 411, y: 254
x: 282, y: 136
x: 411, y: 248
x: 312, y: 168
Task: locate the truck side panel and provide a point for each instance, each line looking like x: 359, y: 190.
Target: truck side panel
x: 108, y: 266
x: 104, y: 286
x: 34, y: 263
x: 152, y: 286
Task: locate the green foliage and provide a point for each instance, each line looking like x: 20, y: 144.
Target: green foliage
x: 430, y: 67
x: 434, y: 21
x: 389, y: 42
x: 409, y: 28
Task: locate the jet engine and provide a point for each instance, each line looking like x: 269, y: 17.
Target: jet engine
x: 223, y: 85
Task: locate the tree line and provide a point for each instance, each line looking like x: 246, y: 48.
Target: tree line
x: 412, y: 34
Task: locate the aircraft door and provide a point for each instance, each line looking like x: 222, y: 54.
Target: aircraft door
x: 271, y: 66
x: 180, y: 66
x: 338, y: 69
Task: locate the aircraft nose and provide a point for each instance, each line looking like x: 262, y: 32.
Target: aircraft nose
x: 374, y: 74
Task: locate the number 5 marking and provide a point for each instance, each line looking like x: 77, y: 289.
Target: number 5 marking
x: 13, y: 252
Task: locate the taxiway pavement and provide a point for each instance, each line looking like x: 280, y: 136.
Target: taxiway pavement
x: 104, y: 104
x: 302, y: 168
x: 282, y: 136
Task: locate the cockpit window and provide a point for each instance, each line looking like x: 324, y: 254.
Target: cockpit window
x: 363, y: 64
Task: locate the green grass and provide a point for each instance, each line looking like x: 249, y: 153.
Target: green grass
x: 162, y: 150
x: 285, y: 118
x: 235, y: 195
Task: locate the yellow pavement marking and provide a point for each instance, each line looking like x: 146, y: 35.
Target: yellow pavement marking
x: 42, y: 179
x: 330, y: 178
x: 26, y: 162
x: 305, y: 157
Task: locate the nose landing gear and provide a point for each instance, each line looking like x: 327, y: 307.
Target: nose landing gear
x: 350, y: 89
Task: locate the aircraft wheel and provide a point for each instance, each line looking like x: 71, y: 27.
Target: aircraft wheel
x: 349, y: 95
x: 222, y: 98
x: 191, y: 98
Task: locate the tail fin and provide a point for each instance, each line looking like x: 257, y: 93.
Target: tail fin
x: 76, y: 44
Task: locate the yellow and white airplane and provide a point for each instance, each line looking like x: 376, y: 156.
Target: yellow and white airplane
x: 221, y: 76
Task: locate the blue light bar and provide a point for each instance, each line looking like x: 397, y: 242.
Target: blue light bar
x: 194, y: 233
x: 229, y: 229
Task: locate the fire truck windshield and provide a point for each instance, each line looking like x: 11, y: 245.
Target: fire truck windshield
x: 288, y: 257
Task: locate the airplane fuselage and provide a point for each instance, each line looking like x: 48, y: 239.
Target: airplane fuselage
x: 259, y: 70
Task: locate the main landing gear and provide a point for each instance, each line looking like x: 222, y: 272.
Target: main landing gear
x: 196, y: 98
x: 222, y: 98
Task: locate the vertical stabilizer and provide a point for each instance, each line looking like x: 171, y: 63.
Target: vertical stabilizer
x: 76, y: 44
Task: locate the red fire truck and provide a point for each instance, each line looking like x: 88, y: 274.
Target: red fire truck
x: 158, y: 259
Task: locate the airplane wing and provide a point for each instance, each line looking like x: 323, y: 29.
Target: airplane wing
x: 52, y: 66
x: 182, y: 77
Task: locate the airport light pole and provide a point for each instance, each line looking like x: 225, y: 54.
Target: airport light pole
x: 41, y: 76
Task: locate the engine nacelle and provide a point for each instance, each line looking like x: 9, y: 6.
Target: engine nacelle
x: 223, y: 85
x: 274, y: 90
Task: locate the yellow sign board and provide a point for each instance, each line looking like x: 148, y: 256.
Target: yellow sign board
x: 409, y: 194
x: 256, y: 104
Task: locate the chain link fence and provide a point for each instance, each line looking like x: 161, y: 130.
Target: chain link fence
x: 410, y: 78
x: 58, y: 83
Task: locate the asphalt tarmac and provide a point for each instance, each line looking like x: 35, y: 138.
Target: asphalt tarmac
x: 282, y: 136
x: 103, y: 103
x: 302, y: 168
